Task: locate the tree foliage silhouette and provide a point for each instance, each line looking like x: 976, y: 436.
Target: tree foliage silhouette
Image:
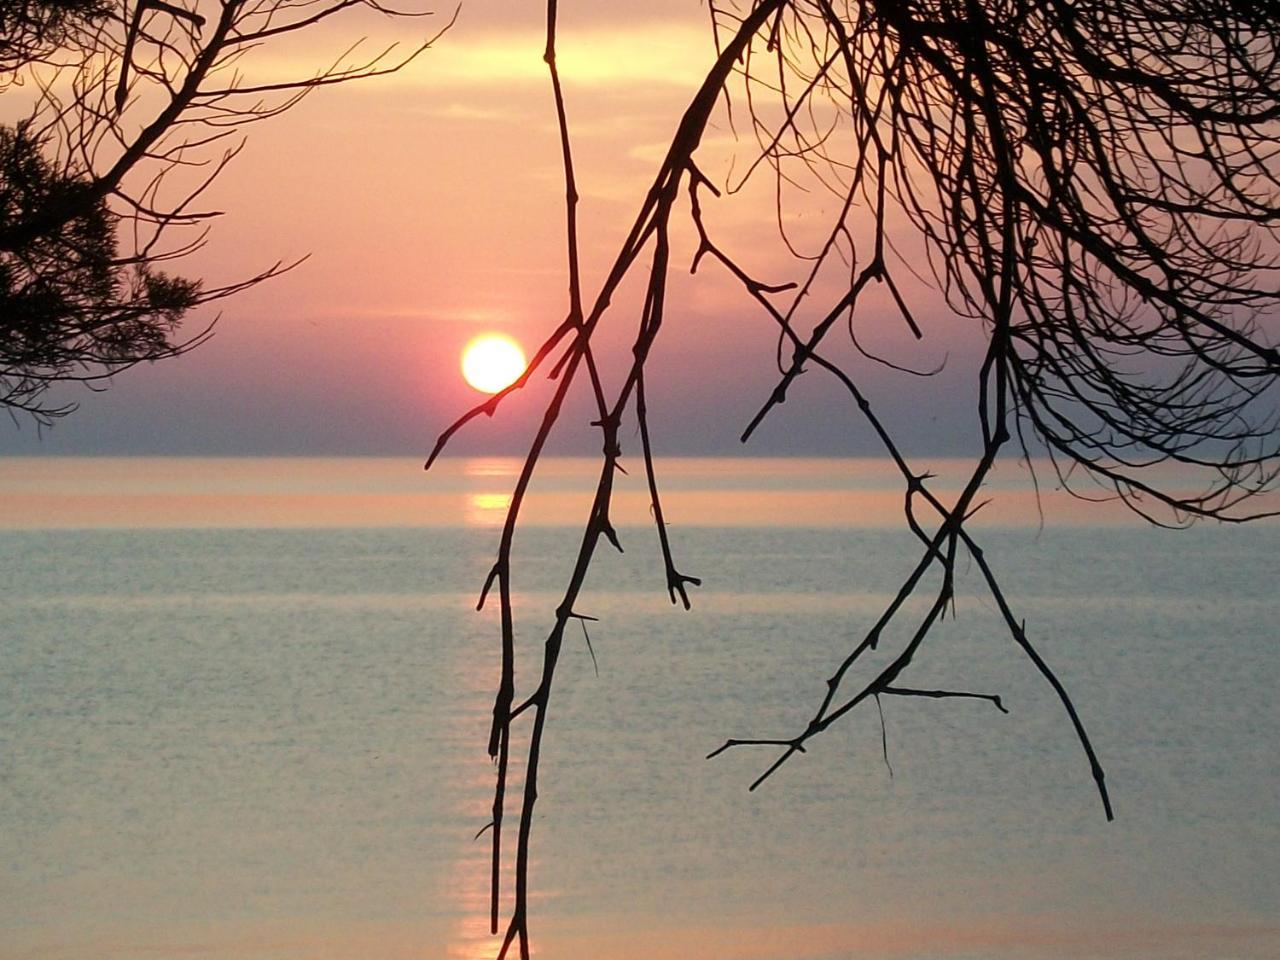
x: 31, y: 30
x: 133, y: 110
x: 1096, y: 187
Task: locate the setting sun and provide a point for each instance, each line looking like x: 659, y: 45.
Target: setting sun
x: 491, y: 362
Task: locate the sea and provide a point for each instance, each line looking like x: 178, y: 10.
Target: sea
x: 244, y: 707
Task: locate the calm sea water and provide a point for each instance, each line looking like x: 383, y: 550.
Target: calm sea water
x: 243, y: 710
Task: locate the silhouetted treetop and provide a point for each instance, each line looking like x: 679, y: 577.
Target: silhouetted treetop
x: 133, y: 110
x: 67, y: 299
x: 33, y: 29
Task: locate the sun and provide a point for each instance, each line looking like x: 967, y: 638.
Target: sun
x: 491, y: 362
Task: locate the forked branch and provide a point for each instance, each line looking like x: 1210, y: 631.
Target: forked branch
x: 1094, y: 186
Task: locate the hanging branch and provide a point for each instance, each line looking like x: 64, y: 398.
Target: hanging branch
x: 1094, y: 185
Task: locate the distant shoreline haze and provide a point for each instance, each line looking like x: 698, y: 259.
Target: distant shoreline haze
x: 291, y: 492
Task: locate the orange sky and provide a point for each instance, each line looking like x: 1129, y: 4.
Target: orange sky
x: 430, y: 204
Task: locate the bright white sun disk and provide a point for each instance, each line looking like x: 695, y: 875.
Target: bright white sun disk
x: 491, y: 362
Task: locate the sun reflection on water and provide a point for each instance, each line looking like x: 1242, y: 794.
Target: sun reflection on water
x: 466, y: 885
x: 506, y: 467
x: 487, y: 509
x: 470, y: 939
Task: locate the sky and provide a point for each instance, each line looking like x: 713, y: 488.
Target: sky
x: 429, y: 206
